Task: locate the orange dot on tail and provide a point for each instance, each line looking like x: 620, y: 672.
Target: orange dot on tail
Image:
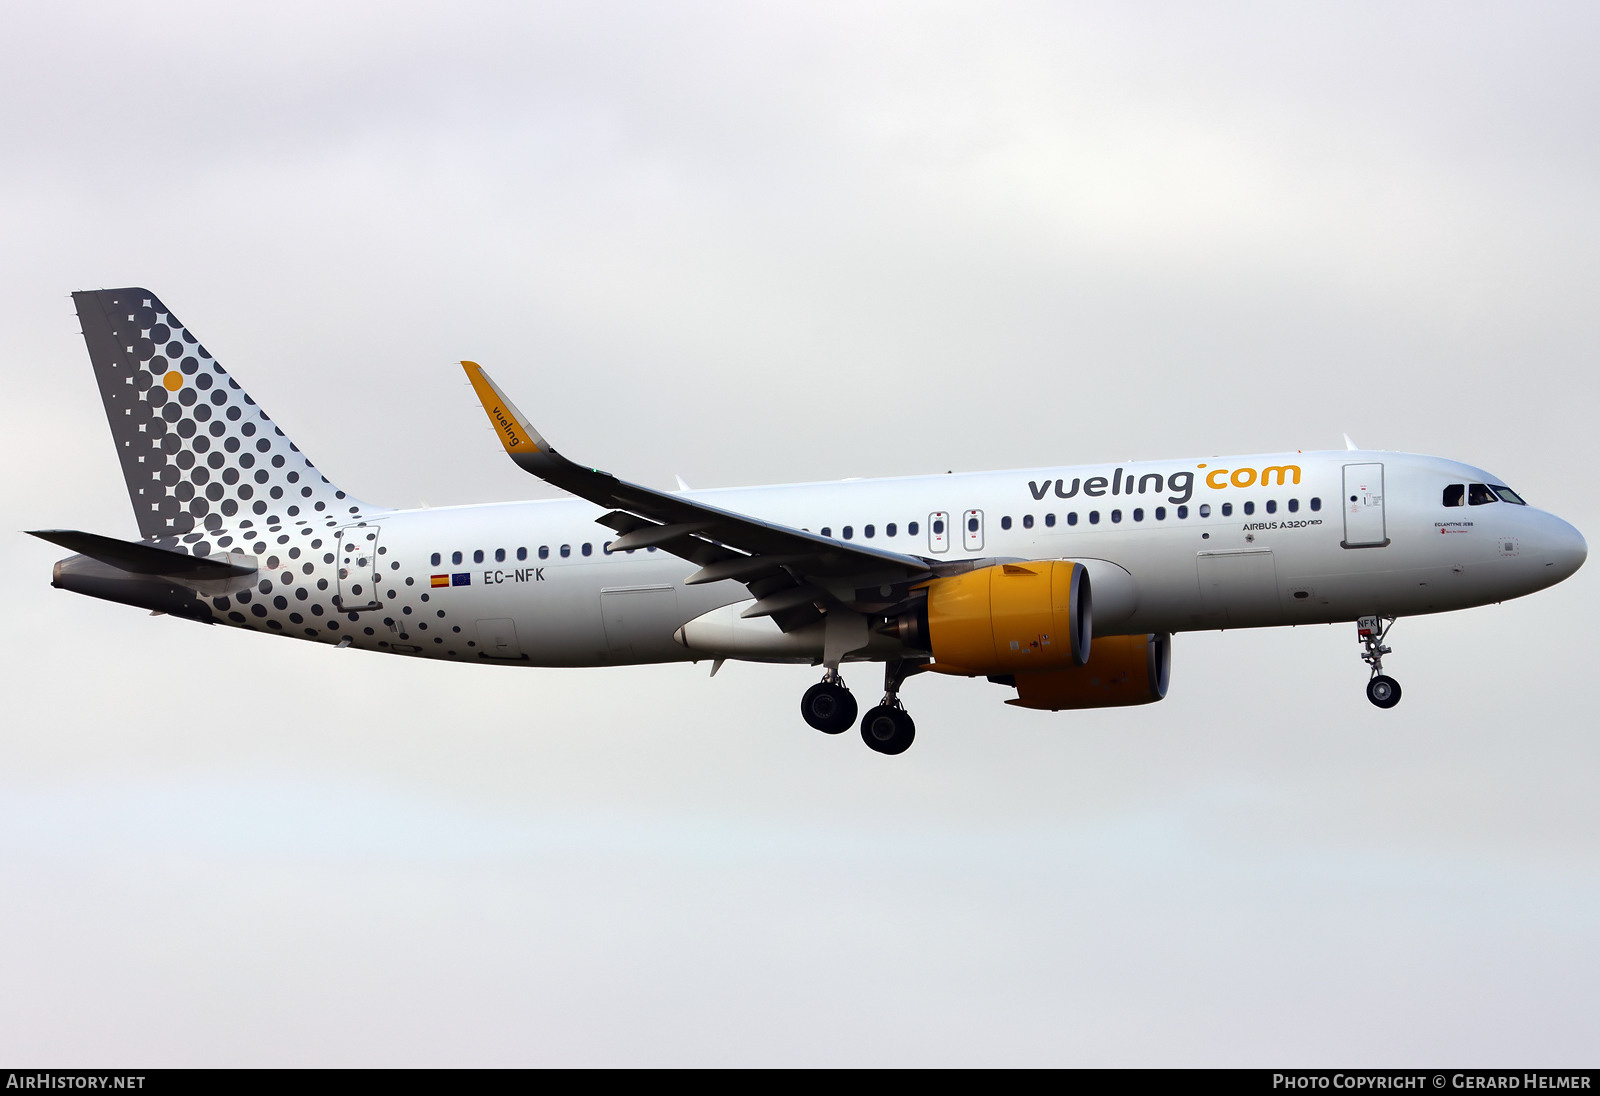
x: 173, y: 380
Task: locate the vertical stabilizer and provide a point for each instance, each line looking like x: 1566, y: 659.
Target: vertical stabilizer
x: 197, y: 453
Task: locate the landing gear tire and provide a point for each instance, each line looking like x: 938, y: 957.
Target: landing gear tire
x: 1383, y: 691
x: 888, y: 730
x: 828, y: 707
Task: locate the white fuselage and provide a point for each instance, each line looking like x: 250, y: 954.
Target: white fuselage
x: 1333, y: 536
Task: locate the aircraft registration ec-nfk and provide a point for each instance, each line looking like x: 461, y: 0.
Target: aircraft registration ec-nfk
x: 1063, y: 586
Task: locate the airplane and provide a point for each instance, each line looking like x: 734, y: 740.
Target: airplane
x: 1062, y: 586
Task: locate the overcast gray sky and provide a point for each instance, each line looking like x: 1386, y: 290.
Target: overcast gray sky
x: 777, y: 242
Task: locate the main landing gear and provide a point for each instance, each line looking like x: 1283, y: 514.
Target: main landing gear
x: 1381, y: 690
x: 888, y: 729
x: 829, y: 707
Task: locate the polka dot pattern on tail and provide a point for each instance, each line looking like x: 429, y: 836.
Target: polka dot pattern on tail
x: 174, y: 411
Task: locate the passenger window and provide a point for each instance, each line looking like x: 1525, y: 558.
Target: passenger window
x: 588, y: 549
x: 1050, y: 521
x: 1072, y: 518
x: 1249, y: 508
x: 1116, y: 515
x: 1479, y: 494
x: 911, y: 529
x: 1227, y: 509
x: 1205, y: 509
x: 1005, y: 522
x: 938, y: 528
x: 1316, y: 504
x: 1455, y: 494
x: 868, y: 531
x: 566, y: 550
x: 455, y: 557
x: 544, y: 551
x: 1294, y: 506
x: 849, y: 532
x: 888, y: 530
x: 1183, y: 511
x: 1161, y: 513
x: 522, y: 554
x: 1094, y: 517
x: 972, y: 525
x: 499, y: 555
x: 1138, y: 515
x: 477, y: 556
x: 827, y: 530
x: 1027, y: 521
x: 433, y: 560
x: 1272, y: 506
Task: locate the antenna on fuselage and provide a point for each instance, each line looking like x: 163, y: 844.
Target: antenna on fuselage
x: 1348, y: 444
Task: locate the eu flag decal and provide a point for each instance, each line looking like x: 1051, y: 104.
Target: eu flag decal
x: 463, y: 579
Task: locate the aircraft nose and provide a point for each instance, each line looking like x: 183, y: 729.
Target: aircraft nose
x: 1566, y: 550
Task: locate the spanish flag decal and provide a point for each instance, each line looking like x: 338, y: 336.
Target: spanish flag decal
x: 439, y: 580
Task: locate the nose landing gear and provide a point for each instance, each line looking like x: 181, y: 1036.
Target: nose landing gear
x: 1381, y: 690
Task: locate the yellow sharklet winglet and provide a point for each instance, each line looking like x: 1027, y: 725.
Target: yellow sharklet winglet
x: 515, y: 434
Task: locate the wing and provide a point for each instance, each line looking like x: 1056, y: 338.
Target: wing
x: 795, y: 576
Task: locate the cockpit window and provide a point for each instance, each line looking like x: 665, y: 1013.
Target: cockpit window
x: 1478, y: 494
x: 1508, y: 495
x: 1455, y: 495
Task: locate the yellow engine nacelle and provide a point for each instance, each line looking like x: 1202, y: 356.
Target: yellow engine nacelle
x: 1125, y: 670
x: 1008, y: 619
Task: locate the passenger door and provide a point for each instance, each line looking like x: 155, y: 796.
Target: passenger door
x: 1362, y: 503
x: 358, y: 568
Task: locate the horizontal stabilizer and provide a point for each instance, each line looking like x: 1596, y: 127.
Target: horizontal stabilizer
x: 143, y: 559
